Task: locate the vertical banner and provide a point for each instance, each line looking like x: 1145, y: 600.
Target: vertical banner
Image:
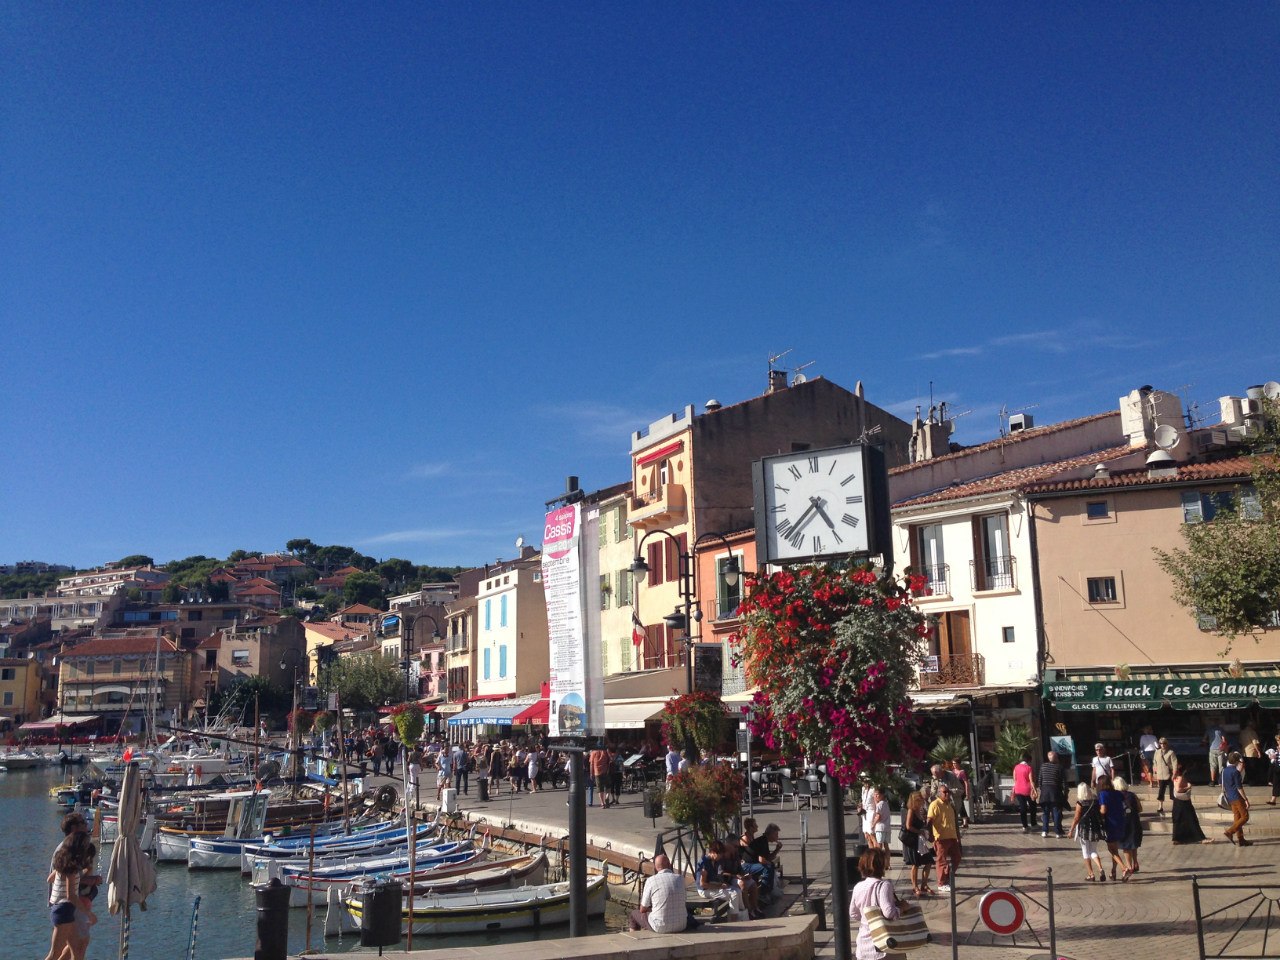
x: 563, y: 582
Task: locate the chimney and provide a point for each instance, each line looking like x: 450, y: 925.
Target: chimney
x: 777, y: 380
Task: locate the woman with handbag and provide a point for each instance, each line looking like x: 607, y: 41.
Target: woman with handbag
x: 1087, y: 828
x: 874, y: 908
x: 1186, y: 825
x: 917, y: 851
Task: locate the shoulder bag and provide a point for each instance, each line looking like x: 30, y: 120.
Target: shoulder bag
x: 907, y: 931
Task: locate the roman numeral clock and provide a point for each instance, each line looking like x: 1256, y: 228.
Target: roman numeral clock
x: 819, y: 504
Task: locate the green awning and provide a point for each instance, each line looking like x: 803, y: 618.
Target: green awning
x: 1181, y: 690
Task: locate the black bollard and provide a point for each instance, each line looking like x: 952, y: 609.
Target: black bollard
x: 273, y: 921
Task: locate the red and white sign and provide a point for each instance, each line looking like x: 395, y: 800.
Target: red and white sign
x: 1002, y: 912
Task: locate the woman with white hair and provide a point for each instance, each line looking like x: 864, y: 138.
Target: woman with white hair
x: 1131, y: 840
x: 1087, y: 828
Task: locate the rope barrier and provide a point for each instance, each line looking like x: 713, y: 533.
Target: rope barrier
x: 195, y: 924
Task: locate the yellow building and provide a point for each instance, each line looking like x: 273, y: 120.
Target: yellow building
x: 19, y: 692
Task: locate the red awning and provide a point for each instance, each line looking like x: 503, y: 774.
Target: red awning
x: 538, y: 712
x: 653, y: 456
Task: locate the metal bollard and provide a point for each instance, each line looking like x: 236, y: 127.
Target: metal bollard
x: 817, y: 906
x: 273, y: 921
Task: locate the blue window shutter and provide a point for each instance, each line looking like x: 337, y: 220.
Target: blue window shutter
x: 488, y: 612
x: 502, y: 661
x: 502, y: 610
x: 487, y: 651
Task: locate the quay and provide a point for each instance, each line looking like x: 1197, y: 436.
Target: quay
x: 1151, y: 917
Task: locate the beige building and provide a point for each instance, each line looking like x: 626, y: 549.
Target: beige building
x: 512, y: 651
x: 123, y: 677
x: 617, y: 586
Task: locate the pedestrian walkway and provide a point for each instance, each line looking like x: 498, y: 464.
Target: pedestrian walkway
x: 1151, y: 917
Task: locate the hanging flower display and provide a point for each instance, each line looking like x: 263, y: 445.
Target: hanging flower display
x: 833, y: 652
x: 698, y: 718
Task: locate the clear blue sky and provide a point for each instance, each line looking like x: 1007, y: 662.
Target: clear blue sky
x: 384, y: 274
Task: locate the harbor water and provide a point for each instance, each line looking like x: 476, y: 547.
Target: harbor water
x: 29, y: 826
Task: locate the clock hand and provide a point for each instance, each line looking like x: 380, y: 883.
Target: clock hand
x: 818, y: 504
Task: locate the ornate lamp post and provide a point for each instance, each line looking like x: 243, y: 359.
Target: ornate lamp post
x: 406, y: 647
x: 680, y: 619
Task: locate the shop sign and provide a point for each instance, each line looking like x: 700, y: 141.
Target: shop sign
x: 1214, y: 693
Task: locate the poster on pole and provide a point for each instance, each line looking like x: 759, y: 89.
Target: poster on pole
x: 575, y: 709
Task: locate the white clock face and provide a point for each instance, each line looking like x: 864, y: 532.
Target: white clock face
x: 815, y: 504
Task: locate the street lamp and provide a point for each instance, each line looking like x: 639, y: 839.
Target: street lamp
x: 407, y: 645
x: 680, y: 619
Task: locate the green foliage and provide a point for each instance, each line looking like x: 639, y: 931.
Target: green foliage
x: 18, y: 585
x: 1013, y: 740
x: 307, y: 593
x: 365, y: 588
x: 364, y: 682
x: 172, y: 593
x: 696, y: 718
x: 948, y: 749
x: 409, y: 722
x: 332, y: 602
x: 301, y: 721
x: 273, y: 700
x: 137, y: 560
x: 706, y: 798
x: 1227, y: 573
x: 235, y: 556
x: 323, y: 721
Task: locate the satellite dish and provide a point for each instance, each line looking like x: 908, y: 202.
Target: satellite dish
x: 519, y: 543
x: 1271, y: 390
x: 1166, y: 437
x: 799, y: 378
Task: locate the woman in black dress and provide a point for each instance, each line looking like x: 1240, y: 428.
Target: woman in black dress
x: 1186, y: 825
x: 919, y: 856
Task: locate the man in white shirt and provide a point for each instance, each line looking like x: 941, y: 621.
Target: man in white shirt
x: 1101, y: 765
x: 673, y: 761
x: 662, y: 905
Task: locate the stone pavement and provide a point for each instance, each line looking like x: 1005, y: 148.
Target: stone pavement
x: 1151, y: 916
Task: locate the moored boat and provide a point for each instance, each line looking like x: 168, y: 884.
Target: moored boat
x: 313, y: 886
x: 487, y: 910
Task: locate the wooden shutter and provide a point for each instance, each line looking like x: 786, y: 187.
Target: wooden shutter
x: 913, y: 540
x: 979, y: 556
x: 655, y: 564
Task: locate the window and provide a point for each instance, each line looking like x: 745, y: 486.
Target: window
x: 664, y: 473
x: 194, y: 615
x: 488, y: 615
x: 116, y: 667
x: 604, y: 591
x: 1097, y: 510
x: 487, y: 658
x: 240, y: 658
x: 992, y: 563
x: 727, y: 597
x: 927, y: 558
x: 211, y: 659
x: 8, y: 673
x: 1199, y: 506
x: 502, y: 661
x: 1102, y: 589
x: 8, y: 699
x: 1006, y: 634
x: 88, y: 669
x: 502, y: 610
x: 623, y: 578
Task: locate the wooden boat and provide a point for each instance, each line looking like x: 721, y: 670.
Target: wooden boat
x: 246, y: 816
x: 487, y: 910
x: 265, y: 860
x: 313, y: 886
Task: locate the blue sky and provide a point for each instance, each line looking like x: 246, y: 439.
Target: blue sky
x: 384, y: 275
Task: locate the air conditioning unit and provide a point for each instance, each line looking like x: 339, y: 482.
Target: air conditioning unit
x: 1021, y: 421
x: 1246, y: 431
x: 1211, y: 439
x: 1250, y: 407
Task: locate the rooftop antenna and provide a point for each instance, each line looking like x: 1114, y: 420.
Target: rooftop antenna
x: 1005, y: 413
x: 778, y: 356
x: 797, y: 373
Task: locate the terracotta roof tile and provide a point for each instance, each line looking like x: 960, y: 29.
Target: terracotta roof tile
x: 1231, y: 468
x: 1017, y: 479
x: 119, y: 646
x: 359, y: 608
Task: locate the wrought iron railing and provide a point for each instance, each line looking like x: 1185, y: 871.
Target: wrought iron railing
x: 993, y: 573
x: 937, y: 580
x: 964, y: 670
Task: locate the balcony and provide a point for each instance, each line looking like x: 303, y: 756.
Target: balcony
x: 993, y: 573
x: 666, y: 505
x: 937, y: 580
x: 457, y: 643
x: 964, y: 670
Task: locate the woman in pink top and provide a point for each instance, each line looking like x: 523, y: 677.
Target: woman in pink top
x: 873, y: 891
x: 1022, y: 793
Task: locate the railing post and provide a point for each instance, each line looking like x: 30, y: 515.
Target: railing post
x: 1053, y: 930
x: 1195, y: 899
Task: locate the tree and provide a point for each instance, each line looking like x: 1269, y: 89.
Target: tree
x: 1228, y: 571
x: 235, y: 556
x: 136, y: 560
x: 172, y: 593
x: 364, y: 682
x: 395, y: 570
x: 302, y: 547
x: 272, y: 700
x: 364, y: 588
